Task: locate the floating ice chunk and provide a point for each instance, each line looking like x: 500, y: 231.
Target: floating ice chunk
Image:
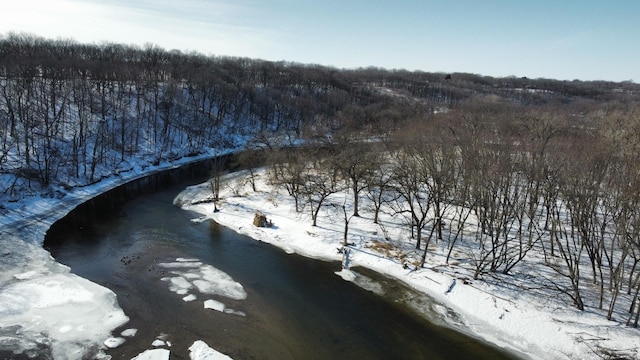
x: 361, y: 280
x: 191, y: 276
x: 214, y: 305
x: 46, y: 292
x: 346, y: 274
x: 114, y: 342
x: 219, y: 306
x: 154, y: 354
x: 201, y: 351
x: 158, y: 342
x: 182, y: 264
x: 179, y: 284
x: 206, y: 278
x: 62, y: 311
x: 234, y: 312
x: 369, y: 284
x: 215, y: 281
x: 189, y: 297
x: 129, y: 332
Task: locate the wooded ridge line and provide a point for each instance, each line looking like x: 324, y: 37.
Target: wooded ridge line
x: 71, y: 113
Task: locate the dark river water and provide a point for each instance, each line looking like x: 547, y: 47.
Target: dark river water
x: 296, y: 308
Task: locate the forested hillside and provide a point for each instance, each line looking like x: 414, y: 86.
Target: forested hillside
x: 73, y: 113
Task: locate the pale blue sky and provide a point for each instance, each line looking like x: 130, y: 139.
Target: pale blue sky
x: 560, y: 39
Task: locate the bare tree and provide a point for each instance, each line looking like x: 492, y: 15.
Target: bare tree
x: 354, y: 159
x: 414, y: 200
x: 218, y: 166
x: 250, y: 159
x: 379, y: 184
x: 287, y: 169
x: 319, y: 181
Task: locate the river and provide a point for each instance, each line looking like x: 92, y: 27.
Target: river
x: 296, y: 307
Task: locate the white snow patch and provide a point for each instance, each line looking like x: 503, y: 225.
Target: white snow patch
x: 201, y: 351
x: 27, y: 275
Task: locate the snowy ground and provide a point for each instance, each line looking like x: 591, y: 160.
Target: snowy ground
x: 535, y: 324
x: 43, y: 306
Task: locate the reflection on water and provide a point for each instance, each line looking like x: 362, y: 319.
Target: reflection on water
x: 295, y: 308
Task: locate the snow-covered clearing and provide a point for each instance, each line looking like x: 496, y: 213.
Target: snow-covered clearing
x: 535, y: 323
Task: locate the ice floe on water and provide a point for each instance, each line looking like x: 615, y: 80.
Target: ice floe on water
x: 129, y: 332
x: 159, y: 351
x: 114, y: 342
x: 181, y: 264
x: 60, y: 311
x: 189, y: 297
x: 220, y: 306
x: 214, y: 305
x: 362, y: 281
x: 201, y: 351
x: 191, y: 275
x: 158, y: 343
x: 346, y: 274
x: 153, y: 354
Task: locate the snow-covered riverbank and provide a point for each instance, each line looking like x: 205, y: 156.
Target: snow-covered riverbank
x: 43, y: 305
x: 44, y: 308
x: 534, y: 324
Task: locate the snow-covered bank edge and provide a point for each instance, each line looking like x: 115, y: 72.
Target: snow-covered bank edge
x: 43, y: 306
x: 524, y: 323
